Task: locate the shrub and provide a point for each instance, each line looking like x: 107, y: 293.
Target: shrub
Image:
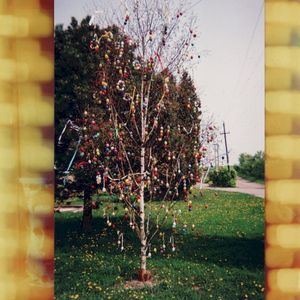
x: 223, y: 177
x: 251, y: 166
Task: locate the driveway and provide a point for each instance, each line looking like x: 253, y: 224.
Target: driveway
x: 243, y: 186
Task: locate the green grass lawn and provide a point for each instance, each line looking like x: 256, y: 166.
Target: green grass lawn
x: 223, y: 258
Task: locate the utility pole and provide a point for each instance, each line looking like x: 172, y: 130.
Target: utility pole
x: 218, y: 156
x: 215, y: 156
x: 216, y: 152
x: 226, y: 148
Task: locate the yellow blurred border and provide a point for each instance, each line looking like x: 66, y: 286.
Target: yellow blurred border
x: 282, y: 104
x: 26, y: 149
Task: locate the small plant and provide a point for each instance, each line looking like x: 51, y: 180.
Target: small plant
x: 223, y: 177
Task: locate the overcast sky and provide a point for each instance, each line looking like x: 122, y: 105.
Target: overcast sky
x: 230, y: 75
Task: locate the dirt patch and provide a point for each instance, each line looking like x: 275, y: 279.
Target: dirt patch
x: 136, y: 284
x: 73, y: 208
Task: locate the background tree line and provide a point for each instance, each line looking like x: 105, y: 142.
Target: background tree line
x: 251, y: 167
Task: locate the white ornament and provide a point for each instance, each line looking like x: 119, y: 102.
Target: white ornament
x: 98, y: 179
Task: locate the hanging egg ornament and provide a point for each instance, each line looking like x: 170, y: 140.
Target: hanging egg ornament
x: 161, y: 133
x: 104, y: 85
x: 190, y: 205
x: 126, y: 19
x: 184, y: 185
x: 136, y: 65
x: 150, y: 36
x: 132, y: 108
x: 98, y: 179
x: 127, y: 97
x: 120, y: 86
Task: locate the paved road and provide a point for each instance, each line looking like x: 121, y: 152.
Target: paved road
x: 244, y: 186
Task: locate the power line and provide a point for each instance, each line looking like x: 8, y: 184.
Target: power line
x: 246, y: 55
x: 192, y: 6
x: 248, y: 48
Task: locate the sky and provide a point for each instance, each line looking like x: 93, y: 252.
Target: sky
x: 230, y: 74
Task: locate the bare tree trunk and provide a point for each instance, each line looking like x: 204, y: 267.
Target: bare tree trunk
x: 87, y: 218
x: 143, y: 262
x: 142, y: 215
x: 143, y: 274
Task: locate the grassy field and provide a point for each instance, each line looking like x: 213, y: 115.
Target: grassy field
x: 221, y: 259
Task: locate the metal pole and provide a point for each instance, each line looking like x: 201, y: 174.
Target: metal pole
x: 225, y: 139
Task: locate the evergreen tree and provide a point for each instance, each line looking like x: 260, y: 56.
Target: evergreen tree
x: 75, y: 72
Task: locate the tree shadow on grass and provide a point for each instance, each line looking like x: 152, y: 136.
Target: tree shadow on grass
x: 230, y: 251
x: 234, y: 252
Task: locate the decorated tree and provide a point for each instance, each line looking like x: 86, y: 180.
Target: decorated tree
x: 140, y: 131
x: 210, y: 144
x: 76, y: 70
